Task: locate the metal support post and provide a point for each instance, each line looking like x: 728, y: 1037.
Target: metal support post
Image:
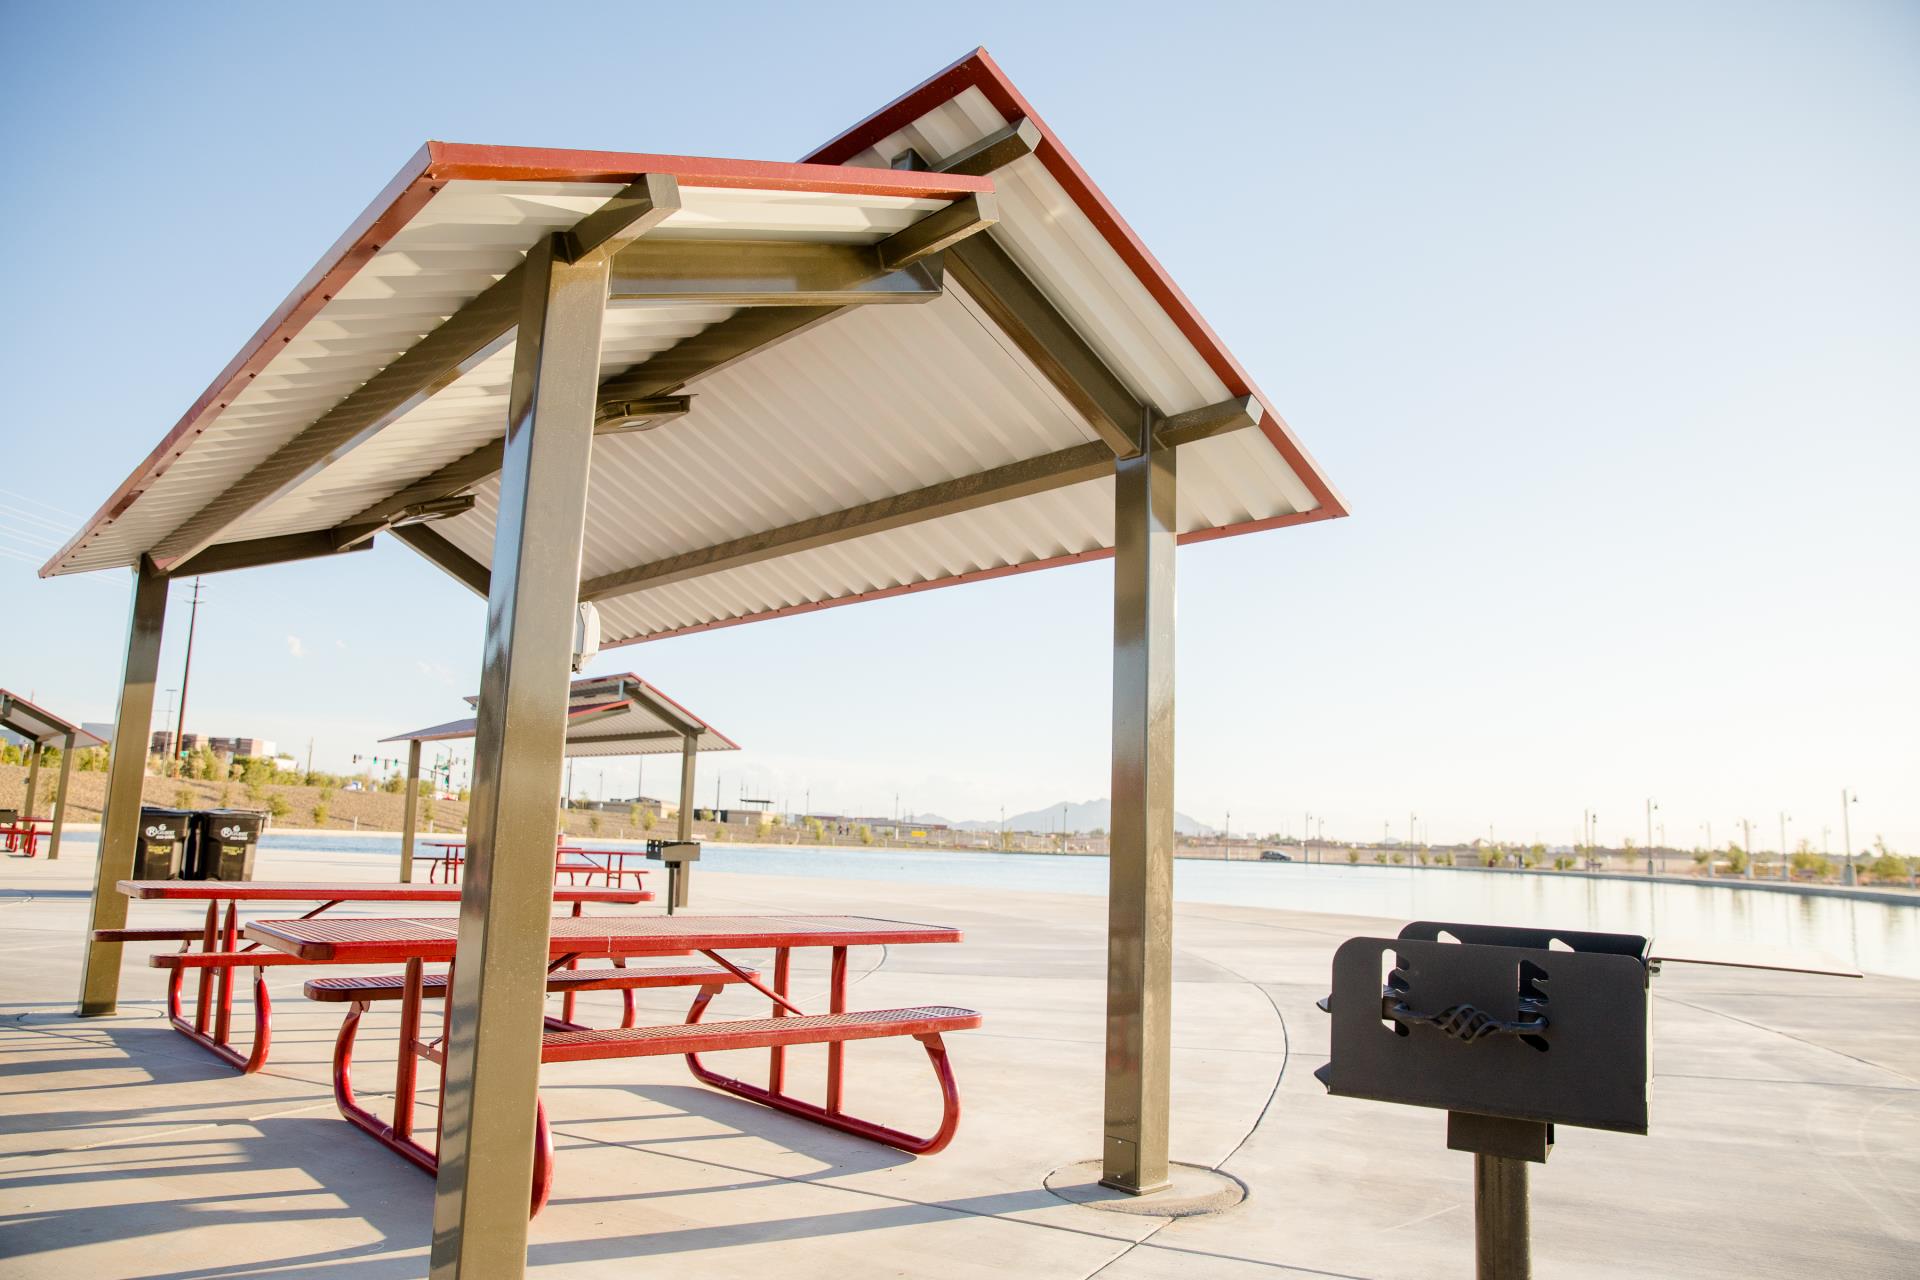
x: 1140, y: 866
x: 410, y: 820
x: 1502, y: 1219
x: 498, y: 992
x: 60, y: 798
x: 34, y: 748
x: 688, y: 753
x: 126, y: 773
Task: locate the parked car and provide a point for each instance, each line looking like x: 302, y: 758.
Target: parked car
x: 1275, y: 855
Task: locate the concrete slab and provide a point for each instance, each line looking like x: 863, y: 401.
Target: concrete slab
x: 1786, y: 1122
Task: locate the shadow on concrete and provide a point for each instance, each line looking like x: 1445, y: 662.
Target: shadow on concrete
x: 333, y: 1183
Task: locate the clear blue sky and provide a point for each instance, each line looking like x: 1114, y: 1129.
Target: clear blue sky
x: 1603, y: 317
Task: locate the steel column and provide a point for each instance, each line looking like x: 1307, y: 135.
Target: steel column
x: 1140, y: 867
x: 126, y: 774
x: 498, y: 993
x: 34, y: 748
x: 411, y: 818
x: 689, y: 752
x: 60, y: 798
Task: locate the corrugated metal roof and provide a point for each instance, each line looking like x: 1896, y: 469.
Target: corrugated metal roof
x: 867, y: 405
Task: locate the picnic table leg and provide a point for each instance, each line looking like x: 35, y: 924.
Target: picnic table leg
x: 203, y: 998
x: 836, y: 1049
x: 777, y: 1064
x: 406, y: 1071
x: 566, y: 1001
x: 223, y: 1020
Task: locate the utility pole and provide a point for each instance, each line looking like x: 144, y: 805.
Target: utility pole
x: 180, y: 730
x: 1786, y: 862
x: 309, y: 757
x: 1226, y: 839
x: 1847, y: 801
x: 166, y: 766
x: 1410, y: 821
x: 1746, y: 842
x: 1306, y: 829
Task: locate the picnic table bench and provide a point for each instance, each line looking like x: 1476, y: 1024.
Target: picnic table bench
x: 415, y: 943
x: 608, y: 865
x: 220, y: 951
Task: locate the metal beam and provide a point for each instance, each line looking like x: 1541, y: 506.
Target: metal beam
x: 464, y: 569
x: 1205, y: 423
x: 950, y: 497
x: 409, y: 820
x: 126, y: 773
x: 710, y: 350
x: 760, y: 273
x: 644, y: 204
x: 472, y: 334
x: 498, y: 988
x: 995, y: 151
x: 1044, y: 336
x: 35, y: 748
x: 1140, y: 865
x: 279, y: 549
x: 939, y: 230
x: 60, y: 800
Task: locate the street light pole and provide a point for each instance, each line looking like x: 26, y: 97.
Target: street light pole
x: 1847, y: 800
x: 1651, y: 806
x: 1746, y: 842
x: 1786, y: 863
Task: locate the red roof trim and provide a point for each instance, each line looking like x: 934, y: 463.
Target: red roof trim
x: 979, y: 71
x: 982, y: 575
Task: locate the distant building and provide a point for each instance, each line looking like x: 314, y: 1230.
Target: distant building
x: 260, y: 748
x: 162, y: 742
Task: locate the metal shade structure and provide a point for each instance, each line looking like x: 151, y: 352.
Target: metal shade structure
x: 618, y: 715
x: 698, y: 393
x: 40, y: 729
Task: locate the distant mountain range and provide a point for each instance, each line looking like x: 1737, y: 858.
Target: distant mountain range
x: 1085, y: 816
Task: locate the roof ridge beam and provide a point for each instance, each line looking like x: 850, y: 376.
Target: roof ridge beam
x: 995, y: 151
x: 473, y: 333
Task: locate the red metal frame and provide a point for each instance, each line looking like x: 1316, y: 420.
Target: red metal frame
x: 211, y: 1026
x: 27, y: 830
x: 780, y: 933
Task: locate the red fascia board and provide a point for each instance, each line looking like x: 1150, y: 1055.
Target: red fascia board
x: 978, y: 70
x: 429, y: 169
x: 984, y: 575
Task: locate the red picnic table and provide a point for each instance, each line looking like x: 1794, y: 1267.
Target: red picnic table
x: 417, y: 942
x: 25, y: 831
x: 218, y: 957
x: 610, y: 865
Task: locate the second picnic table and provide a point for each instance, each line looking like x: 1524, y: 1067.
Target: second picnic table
x: 417, y: 942
x: 220, y: 953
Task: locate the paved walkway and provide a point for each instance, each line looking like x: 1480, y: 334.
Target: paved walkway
x: 1786, y: 1123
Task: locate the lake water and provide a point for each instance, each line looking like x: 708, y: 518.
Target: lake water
x: 1879, y: 937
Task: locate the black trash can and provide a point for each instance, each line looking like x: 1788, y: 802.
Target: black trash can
x: 160, y: 847
x: 224, y: 843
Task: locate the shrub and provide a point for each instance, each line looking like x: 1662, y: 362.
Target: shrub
x: 647, y: 819
x: 1380, y: 857
x: 277, y: 805
x: 866, y: 834
x: 593, y: 822
x: 1811, y: 864
x: 1563, y: 863
x: 1737, y: 859
x: 1353, y: 855
x: 1889, y: 866
x: 1491, y: 857
x: 320, y: 814
x: 184, y: 798
x: 226, y: 795
x: 1400, y: 858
